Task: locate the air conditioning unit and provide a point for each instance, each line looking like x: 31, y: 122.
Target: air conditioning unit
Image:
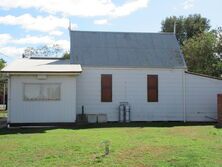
x: 92, y: 118
x: 102, y: 118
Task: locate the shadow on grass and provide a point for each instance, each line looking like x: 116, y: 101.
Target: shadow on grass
x: 42, y: 128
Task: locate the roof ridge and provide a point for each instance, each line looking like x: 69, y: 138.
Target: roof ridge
x: 123, y: 32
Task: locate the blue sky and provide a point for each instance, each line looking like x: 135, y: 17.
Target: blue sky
x: 25, y: 23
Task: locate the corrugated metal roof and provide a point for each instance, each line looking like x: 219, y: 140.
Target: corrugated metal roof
x: 42, y: 66
x: 121, y: 49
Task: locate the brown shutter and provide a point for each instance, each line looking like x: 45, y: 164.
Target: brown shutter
x: 152, y: 88
x: 106, y: 88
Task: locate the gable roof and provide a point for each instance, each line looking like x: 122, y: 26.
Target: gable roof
x: 121, y: 49
x: 42, y: 66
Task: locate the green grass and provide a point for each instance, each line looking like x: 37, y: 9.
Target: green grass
x: 139, y: 144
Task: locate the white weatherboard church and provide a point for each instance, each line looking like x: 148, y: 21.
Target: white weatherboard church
x: 146, y: 71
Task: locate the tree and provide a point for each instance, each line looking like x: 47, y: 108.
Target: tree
x: 202, y: 49
x: 186, y: 27
x: 195, y: 24
x: 2, y: 63
x: 66, y: 55
x: 3, y: 80
x: 44, y: 51
x: 201, y: 54
x: 168, y: 26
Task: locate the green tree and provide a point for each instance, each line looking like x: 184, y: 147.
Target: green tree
x: 2, y: 76
x: 186, y: 27
x: 66, y: 55
x: 196, y: 24
x: 201, y: 55
x: 2, y: 63
x: 168, y: 26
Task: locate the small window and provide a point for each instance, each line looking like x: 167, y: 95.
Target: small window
x: 106, y: 88
x: 41, y: 91
x: 152, y: 88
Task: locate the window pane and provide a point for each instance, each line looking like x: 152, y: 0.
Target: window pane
x: 31, y: 92
x: 53, y: 91
x: 42, y: 91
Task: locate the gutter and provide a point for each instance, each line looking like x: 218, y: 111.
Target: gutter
x: 44, y: 72
x: 203, y: 75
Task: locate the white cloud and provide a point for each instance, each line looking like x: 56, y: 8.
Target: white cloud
x: 188, y: 4
x: 39, y: 23
x: 129, y: 7
x: 78, y: 7
x: 101, y: 21
x: 11, y: 46
x: 56, y: 33
x: 11, y: 51
x: 63, y: 43
x: 5, y: 38
x: 53, y: 24
x: 74, y: 26
x: 33, y: 40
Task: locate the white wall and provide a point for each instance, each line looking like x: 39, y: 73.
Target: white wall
x: 201, y: 97
x: 128, y: 85
x: 131, y: 85
x: 21, y: 111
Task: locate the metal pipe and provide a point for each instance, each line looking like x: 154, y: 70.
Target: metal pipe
x: 174, y: 28
x: 9, y: 99
x: 4, y: 93
x: 83, y: 110
x: 184, y: 96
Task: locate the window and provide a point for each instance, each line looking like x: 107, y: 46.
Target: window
x: 41, y: 91
x: 106, y: 88
x: 152, y: 88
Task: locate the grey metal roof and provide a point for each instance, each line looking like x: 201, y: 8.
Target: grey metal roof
x: 121, y: 49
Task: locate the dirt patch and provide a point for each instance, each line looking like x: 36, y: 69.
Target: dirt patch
x: 133, y: 131
x: 183, y: 131
x: 139, y: 154
x: 195, y: 133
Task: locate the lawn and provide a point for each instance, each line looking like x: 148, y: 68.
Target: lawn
x: 138, y: 144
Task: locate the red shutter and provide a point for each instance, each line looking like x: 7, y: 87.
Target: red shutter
x: 152, y: 88
x: 106, y: 88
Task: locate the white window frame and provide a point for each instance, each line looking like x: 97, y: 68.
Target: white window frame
x: 41, y: 89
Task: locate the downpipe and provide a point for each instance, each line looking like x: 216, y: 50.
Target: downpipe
x: 184, y: 96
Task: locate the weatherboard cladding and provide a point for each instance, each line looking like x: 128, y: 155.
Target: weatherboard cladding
x: 120, y: 49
